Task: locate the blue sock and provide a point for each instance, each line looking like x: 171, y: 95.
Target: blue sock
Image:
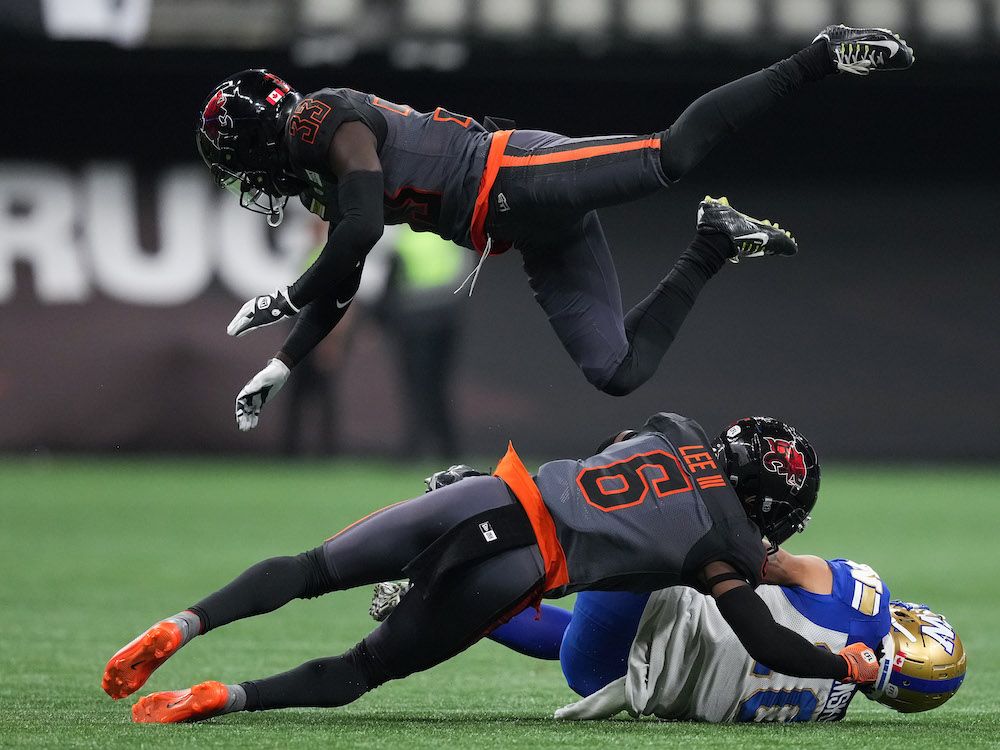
x: 539, y: 638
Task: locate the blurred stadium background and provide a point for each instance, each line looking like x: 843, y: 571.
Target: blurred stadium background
x: 120, y: 266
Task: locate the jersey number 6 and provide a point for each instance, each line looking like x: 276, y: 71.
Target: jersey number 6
x: 629, y: 482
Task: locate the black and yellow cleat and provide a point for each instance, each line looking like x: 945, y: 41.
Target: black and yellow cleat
x: 750, y: 237
x: 864, y: 51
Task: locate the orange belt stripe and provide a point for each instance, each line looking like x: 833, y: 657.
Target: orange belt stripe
x: 477, y: 230
x: 511, y: 470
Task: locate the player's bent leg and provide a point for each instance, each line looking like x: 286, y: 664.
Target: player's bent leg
x: 262, y: 588
x: 573, y: 277
x: 574, y: 280
x: 376, y: 547
x: 419, y: 634
x: 653, y: 324
x: 596, y: 645
x: 535, y: 634
x: 713, y: 117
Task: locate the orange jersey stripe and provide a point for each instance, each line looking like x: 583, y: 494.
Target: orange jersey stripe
x: 587, y: 152
x: 511, y: 470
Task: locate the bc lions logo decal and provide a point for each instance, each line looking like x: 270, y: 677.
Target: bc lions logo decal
x: 215, y: 118
x: 785, y: 459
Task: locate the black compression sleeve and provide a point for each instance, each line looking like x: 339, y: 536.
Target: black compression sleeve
x: 359, y: 197
x: 318, y: 318
x: 774, y: 645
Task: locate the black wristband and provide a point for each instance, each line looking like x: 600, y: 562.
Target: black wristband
x: 730, y: 576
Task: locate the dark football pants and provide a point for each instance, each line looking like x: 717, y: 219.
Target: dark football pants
x: 420, y: 633
x: 544, y: 200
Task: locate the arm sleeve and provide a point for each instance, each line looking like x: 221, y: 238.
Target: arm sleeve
x: 360, y: 199
x: 774, y: 645
x: 318, y: 318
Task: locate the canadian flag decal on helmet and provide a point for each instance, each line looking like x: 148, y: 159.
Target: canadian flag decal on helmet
x: 785, y: 459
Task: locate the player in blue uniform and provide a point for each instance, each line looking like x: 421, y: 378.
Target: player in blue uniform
x: 361, y: 162
x: 670, y: 654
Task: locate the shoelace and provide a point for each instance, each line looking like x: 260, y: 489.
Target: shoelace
x: 860, y: 54
x: 474, y: 276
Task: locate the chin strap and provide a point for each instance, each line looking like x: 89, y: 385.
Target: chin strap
x: 275, y: 218
x: 884, y: 668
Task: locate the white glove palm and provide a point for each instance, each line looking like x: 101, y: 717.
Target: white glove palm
x: 255, y: 394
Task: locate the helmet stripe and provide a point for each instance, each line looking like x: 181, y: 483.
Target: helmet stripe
x: 922, y: 685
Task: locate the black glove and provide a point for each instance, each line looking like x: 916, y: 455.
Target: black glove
x: 262, y: 311
x: 452, y: 474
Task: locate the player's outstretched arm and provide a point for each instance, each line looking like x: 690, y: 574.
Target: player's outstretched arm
x: 774, y: 645
x: 353, y: 159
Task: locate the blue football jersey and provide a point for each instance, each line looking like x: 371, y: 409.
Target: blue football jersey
x: 686, y: 663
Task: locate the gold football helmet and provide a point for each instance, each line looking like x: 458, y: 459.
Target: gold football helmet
x: 923, y: 663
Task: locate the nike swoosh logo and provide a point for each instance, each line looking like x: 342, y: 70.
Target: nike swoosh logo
x: 893, y: 47
x: 179, y: 702
x: 760, y: 237
x: 342, y: 305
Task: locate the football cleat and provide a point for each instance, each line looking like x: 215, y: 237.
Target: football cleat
x: 862, y: 51
x: 386, y: 598
x: 751, y: 237
x: 128, y: 670
x: 194, y: 704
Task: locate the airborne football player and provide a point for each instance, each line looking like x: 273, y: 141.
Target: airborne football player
x: 653, y: 509
x: 360, y: 162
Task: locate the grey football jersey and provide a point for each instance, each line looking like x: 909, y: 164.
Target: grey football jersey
x: 649, y: 512
x: 432, y: 162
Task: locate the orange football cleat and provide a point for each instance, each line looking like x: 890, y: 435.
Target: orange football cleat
x: 128, y: 670
x: 200, y: 702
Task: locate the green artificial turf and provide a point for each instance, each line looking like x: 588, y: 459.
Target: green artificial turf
x: 92, y: 552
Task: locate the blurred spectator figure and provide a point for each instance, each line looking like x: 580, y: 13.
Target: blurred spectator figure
x: 311, y: 396
x: 410, y: 279
x: 313, y: 391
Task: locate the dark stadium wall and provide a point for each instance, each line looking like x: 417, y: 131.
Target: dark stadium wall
x: 119, y: 267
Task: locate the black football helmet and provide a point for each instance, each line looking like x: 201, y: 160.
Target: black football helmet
x: 240, y: 138
x: 774, y: 471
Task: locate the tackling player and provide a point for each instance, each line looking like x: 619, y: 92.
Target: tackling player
x: 670, y: 654
x: 361, y: 162
x: 653, y: 509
